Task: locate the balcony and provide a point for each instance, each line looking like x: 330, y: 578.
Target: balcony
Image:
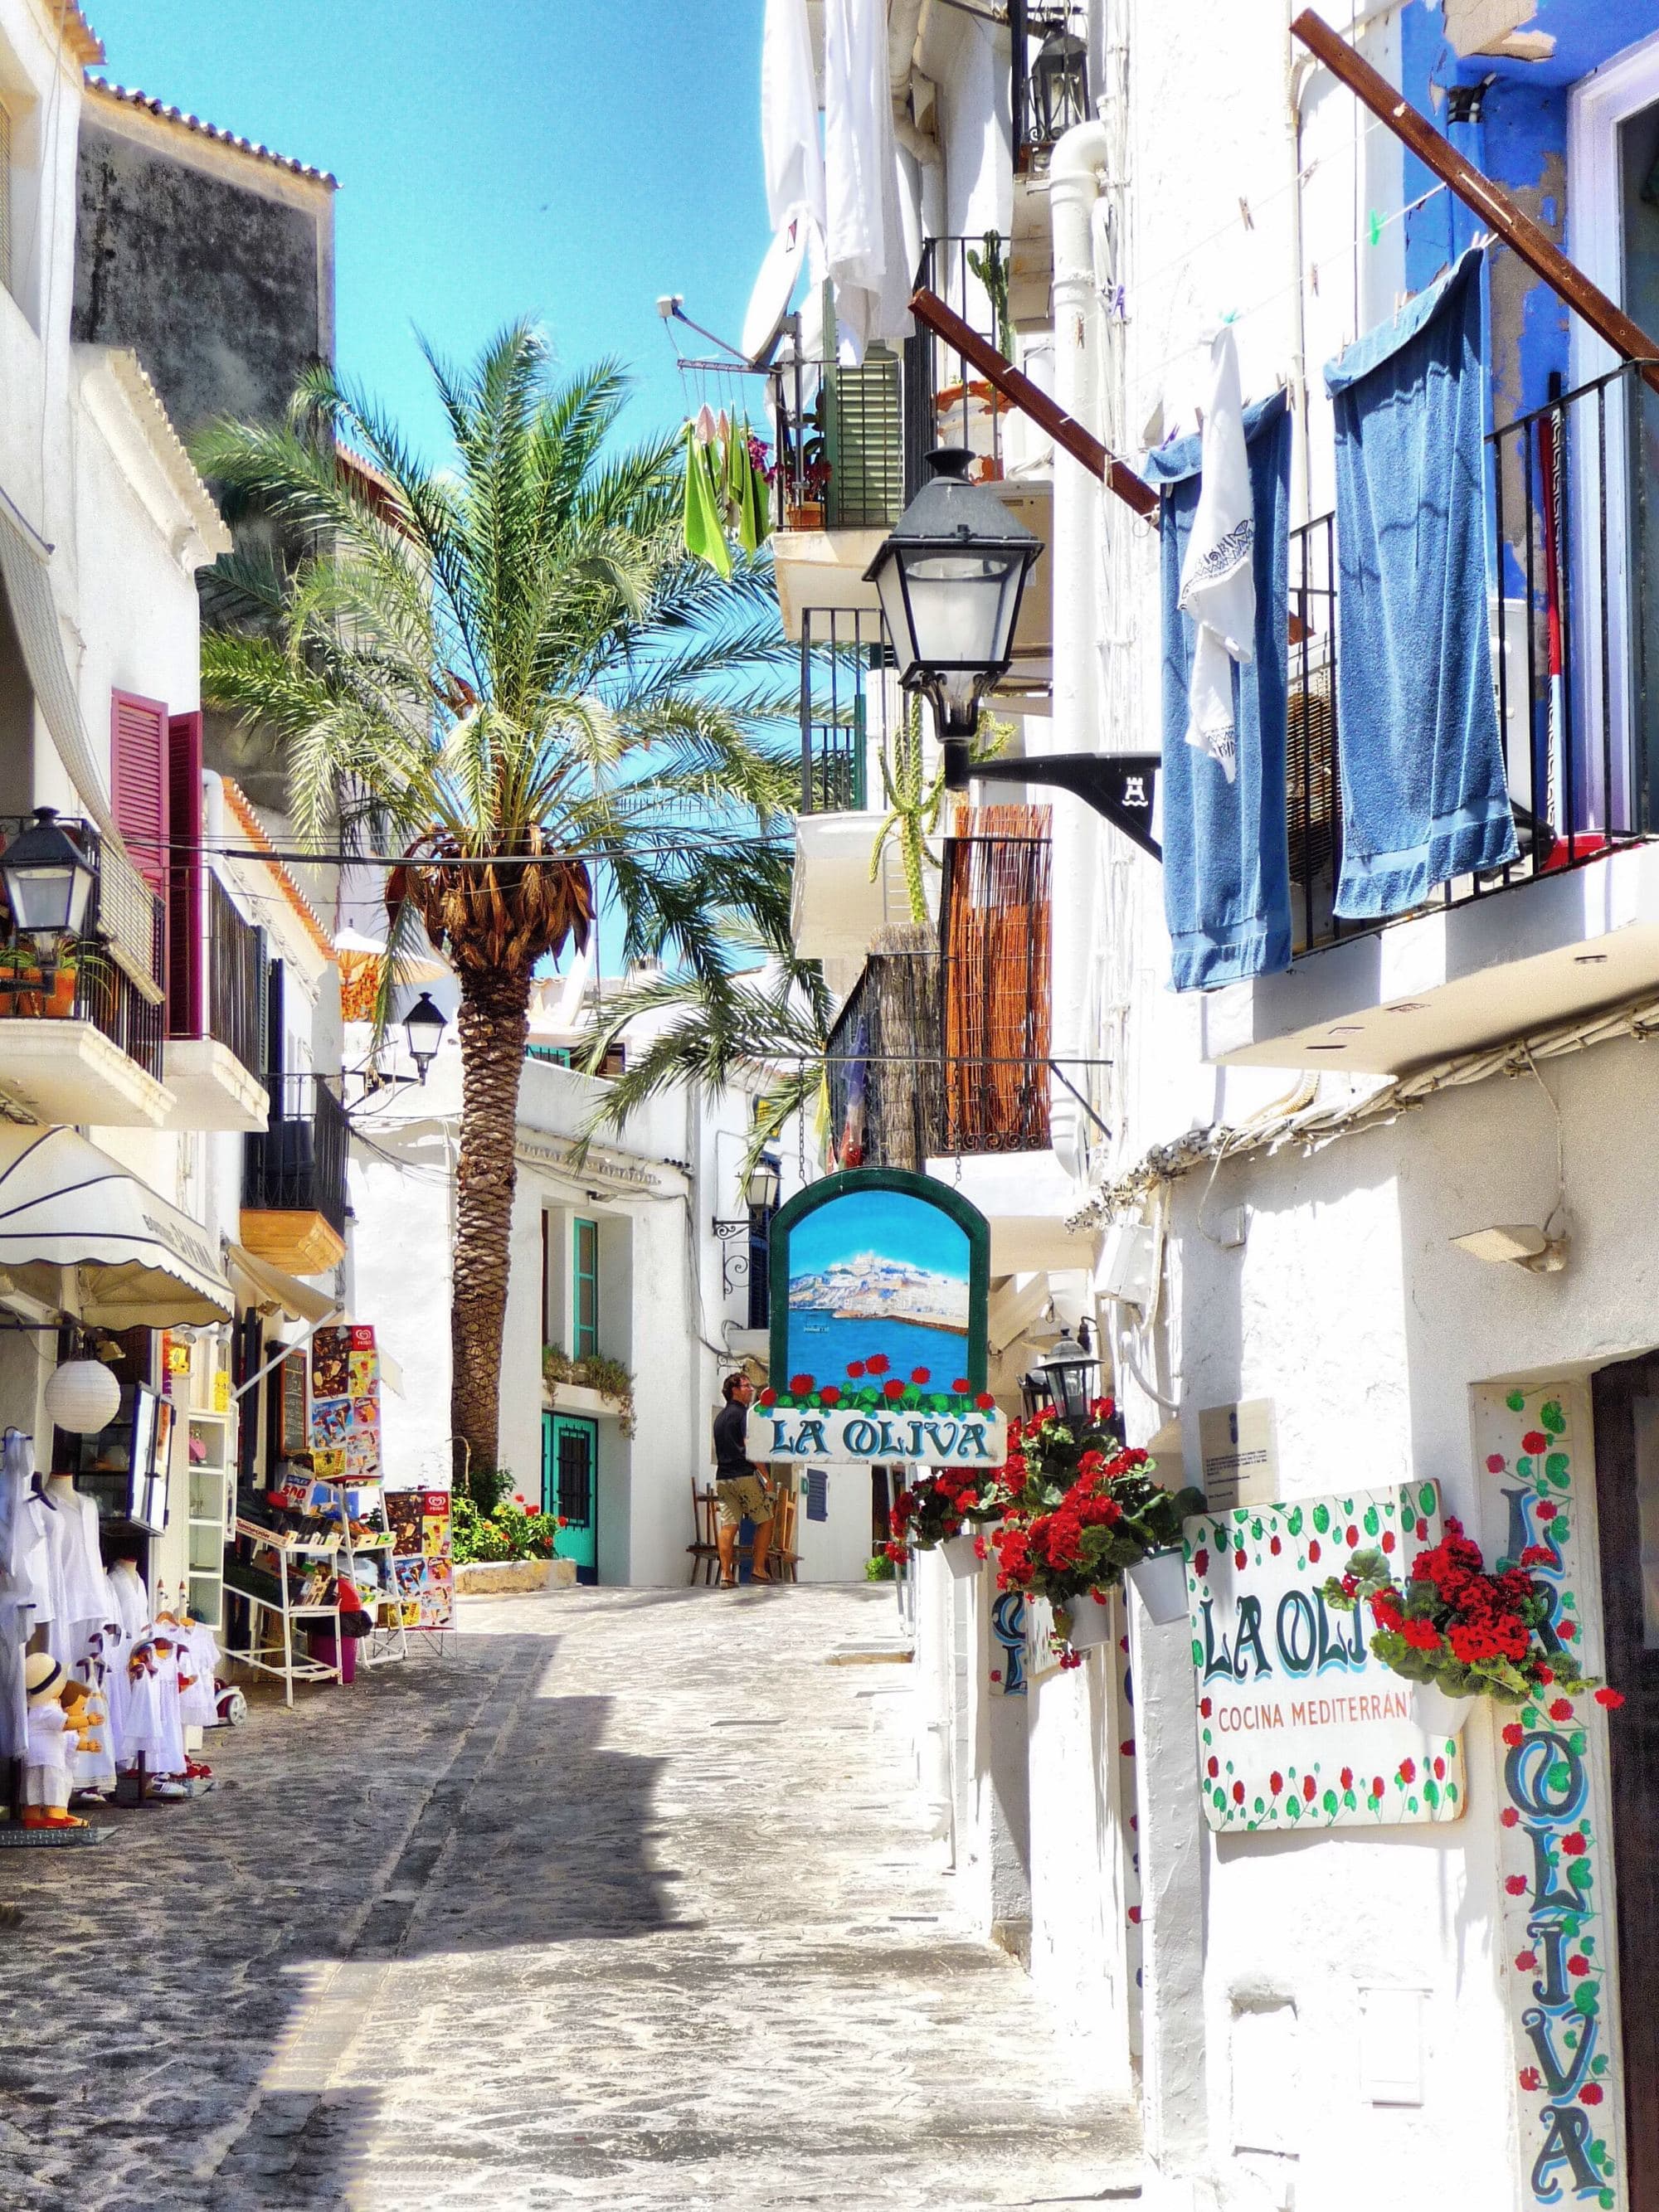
x: 840, y: 484
x: 294, y: 1178
x: 942, y: 1047
x: 1572, y: 924
x: 85, y: 1045
x: 216, y: 1027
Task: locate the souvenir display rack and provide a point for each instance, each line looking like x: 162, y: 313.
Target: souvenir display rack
x: 278, y: 1600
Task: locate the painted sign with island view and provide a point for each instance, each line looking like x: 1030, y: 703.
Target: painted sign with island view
x: 879, y: 1286
x: 1299, y: 1724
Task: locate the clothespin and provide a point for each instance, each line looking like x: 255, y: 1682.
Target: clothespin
x: 1245, y: 217
x: 1313, y: 278
x: 1374, y: 228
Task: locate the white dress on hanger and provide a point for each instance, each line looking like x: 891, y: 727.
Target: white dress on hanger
x: 131, y: 1599
x: 86, y: 1585
x: 140, y: 1709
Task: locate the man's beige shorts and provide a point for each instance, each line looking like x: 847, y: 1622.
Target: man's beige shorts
x: 741, y: 1494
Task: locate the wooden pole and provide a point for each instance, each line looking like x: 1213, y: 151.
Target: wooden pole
x: 1030, y: 398
x: 1493, y: 206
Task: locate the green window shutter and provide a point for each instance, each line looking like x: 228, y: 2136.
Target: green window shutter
x: 584, y: 1290
x: 863, y: 444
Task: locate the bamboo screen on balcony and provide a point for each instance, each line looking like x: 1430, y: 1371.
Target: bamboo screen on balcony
x: 994, y: 935
x: 883, y: 1056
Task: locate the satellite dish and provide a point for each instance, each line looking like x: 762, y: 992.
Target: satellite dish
x: 775, y: 288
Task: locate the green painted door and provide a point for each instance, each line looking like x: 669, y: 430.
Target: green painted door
x: 570, y: 1485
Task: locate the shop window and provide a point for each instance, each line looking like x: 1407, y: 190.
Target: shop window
x: 584, y: 1289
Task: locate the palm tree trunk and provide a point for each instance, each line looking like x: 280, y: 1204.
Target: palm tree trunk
x: 495, y: 1026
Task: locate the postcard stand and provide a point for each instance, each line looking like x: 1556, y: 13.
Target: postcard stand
x: 271, y: 1621
x: 383, y: 1643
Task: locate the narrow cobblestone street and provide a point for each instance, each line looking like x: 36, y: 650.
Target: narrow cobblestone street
x: 627, y: 1900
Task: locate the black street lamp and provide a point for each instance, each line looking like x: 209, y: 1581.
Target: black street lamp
x: 48, y: 880
x: 1060, y: 86
x: 1067, y: 1369
x: 950, y: 577
x: 424, y: 1028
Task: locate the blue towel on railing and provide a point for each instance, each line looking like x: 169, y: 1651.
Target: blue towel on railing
x: 1423, y: 791
x: 1226, y: 874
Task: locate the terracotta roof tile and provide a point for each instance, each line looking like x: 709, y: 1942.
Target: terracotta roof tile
x: 249, y: 822
x: 82, y: 41
x: 129, y: 98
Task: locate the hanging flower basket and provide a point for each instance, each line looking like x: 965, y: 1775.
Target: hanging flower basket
x: 1081, y: 1511
x: 1161, y: 1580
x: 1084, y: 1623
x: 1463, y: 1630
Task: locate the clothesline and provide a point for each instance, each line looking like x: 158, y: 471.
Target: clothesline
x: 1371, y: 236
x: 1249, y: 208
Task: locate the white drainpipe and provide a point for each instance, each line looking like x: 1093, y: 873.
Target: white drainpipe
x: 1074, y: 177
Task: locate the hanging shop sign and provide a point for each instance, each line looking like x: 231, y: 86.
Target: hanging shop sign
x: 1299, y: 1725
x: 879, y: 1287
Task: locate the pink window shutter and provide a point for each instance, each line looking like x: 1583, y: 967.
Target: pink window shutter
x: 186, y: 962
x: 138, y: 777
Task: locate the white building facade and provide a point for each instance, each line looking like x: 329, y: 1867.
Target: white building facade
x: 1268, y: 1178
x: 136, y: 1068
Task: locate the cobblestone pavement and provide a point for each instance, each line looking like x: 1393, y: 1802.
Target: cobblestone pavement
x: 625, y: 1901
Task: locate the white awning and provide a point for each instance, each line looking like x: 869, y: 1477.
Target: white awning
x: 140, y: 1262
x: 24, y: 558
x: 273, y: 1291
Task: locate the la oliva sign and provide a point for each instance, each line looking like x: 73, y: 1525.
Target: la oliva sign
x: 880, y: 1280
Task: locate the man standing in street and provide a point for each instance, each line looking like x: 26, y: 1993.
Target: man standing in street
x: 738, y: 1484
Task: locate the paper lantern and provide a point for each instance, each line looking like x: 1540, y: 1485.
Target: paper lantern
x: 83, y: 1397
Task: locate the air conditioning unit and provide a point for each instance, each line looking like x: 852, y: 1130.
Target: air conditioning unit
x: 1127, y: 1263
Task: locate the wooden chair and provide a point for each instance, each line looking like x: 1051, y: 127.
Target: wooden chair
x: 703, y: 1550
x: 783, y: 1558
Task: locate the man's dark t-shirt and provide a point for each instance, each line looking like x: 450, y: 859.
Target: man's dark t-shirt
x: 731, y: 1430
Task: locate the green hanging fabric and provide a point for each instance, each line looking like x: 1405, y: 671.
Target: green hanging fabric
x: 704, y: 538
x: 754, y: 509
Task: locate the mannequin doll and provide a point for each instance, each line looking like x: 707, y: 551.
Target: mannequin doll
x: 51, y: 1739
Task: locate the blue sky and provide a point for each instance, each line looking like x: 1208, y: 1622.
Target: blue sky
x: 568, y: 159
x: 889, y: 1222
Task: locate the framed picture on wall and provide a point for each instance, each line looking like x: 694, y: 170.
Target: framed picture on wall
x: 150, y: 1450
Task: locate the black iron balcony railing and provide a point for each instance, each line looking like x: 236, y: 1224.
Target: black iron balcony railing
x: 228, y: 1002
x: 847, y: 699
x: 946, y: 402
x: 841, y: 456
x: 1574, y: 621
x: 115, y: 977
x: 297, y: 1164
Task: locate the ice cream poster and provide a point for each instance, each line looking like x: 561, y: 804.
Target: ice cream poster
x: 879, y: 1283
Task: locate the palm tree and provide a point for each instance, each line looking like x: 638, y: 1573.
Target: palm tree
x: 504, y: 674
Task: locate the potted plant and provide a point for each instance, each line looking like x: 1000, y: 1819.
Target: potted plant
x: 936, y: 1509
x: 806, y: 512
x: 1083, y: 1510
x: 609, y: 1377
x: 1457, y: 1631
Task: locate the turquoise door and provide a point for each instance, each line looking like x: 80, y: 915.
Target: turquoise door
x: 570, y: 1485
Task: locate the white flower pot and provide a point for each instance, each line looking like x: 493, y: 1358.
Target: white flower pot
x: 960, y: 1555
x: 1438, y: 1714
x: 1090, y: 1620
x: 1161, y: 1579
